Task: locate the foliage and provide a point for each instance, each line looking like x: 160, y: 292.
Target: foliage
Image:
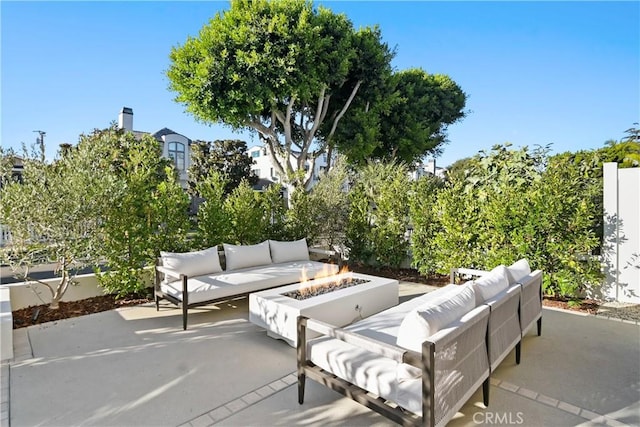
x: 626, y: 153
x: 244, y: 208
x: 301, y: 217
x: 424, y: 221
x: 228, y: 157
x: 7, y: 160
x: 149, y: 212
x: 274, y: 213
x: 54, y: 215
x: 520, y: 203
x: 213, y: 222
x: 282, y: 68
x: 564, y: 239
x: 460, y: 168
x: 330, y: 201
x: 408, y: 123
x: 378, y: 221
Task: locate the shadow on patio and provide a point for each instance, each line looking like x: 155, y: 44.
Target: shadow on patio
x: 135, y: 366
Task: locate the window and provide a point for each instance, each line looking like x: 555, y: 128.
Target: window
x: 255, y: 153
x: 256, y: 172
x: 176, y: 153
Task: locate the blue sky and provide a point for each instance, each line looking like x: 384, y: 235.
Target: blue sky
x: 566, y: 73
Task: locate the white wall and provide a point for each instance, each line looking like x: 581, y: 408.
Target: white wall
x: 621, y: 248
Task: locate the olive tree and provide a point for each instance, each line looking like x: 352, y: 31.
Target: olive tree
x: 56, y: 213
x: 282, y: 68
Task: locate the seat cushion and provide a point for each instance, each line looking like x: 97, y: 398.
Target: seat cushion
x: 289, y: 251
x: 243, y: 256
x: 427, y: 319
x: 194, y: 263
x: 230, y: 283
x: 518, y: 270
x: 491, y: 284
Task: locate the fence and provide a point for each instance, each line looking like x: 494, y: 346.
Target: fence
x: 621, y: 247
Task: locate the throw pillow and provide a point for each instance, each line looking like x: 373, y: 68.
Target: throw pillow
x: 242, y: 256
x: 518, y: 270
x: 429, y: 318
x: 194, y: 263
x: 491, y: 284
x: 289, y: 251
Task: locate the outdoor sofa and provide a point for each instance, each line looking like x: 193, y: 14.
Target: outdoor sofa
x: 419, y: 362
x: 197, y: 278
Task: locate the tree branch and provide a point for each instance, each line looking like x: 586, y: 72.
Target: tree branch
x: 345, y: 107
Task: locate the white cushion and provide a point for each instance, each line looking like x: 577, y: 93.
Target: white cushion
x: 194, y: 263
x: 518, y: 270
x: 289, y: 251
x: 242, y: 256
x: 433, y: 315
x: 228, y: 283
x: 491, y: 284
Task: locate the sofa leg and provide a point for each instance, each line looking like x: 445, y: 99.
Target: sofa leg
x: 184, y: 317
x: 518, y: 352
x: 485, y: 391
x: 540, y: 326
x: 301, y: 383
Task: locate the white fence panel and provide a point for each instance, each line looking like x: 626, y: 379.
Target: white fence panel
x: 621, y: 248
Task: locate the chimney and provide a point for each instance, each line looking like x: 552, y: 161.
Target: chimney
x: 125, y: 119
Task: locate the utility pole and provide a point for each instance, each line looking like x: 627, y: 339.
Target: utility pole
x: 40, y: 141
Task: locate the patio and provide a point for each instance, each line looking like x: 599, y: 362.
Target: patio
x: 135, y: 366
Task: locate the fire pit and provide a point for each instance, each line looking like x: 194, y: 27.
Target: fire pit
x: 313, y: 290
x: 277, y: 309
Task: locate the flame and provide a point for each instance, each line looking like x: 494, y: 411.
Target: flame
x: 306, y: 288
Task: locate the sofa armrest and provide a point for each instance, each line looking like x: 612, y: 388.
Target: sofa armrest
x: 168, y: 272
x: 399, y: 354
x: 321, y: 251
x: 531, y: 300
x: 468, y: 271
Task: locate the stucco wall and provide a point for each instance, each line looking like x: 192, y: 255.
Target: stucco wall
x: 621, y: 251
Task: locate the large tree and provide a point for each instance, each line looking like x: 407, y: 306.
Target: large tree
x: 282, y: 68
x: 227, y: 157
x: 404, y: 120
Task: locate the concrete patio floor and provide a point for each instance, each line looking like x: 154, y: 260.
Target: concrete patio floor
x: 136, y: 366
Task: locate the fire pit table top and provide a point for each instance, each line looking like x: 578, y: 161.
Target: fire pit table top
x: 273, y: 310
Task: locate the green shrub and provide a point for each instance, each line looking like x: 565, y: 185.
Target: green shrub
x: 244, y: 209
x: 213, y: 222
x: 424, y: 220
x: 379, y: 217
x: 516, y: 203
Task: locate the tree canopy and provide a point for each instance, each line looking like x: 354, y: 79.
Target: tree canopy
x: 408, y: 121
x: 292, y: 73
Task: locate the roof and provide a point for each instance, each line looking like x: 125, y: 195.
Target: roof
x: 166, y: 131
x: 159, y: 134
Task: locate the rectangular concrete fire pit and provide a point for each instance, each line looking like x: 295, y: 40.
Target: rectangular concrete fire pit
x: 278, y: 313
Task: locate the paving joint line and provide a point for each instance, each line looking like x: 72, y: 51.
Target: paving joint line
x: 241, y: 403
x: 583, y: 413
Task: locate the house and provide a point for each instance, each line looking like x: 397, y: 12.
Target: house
x: 175, y: 146
x: 266, y: 171
x: 428, y: 167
